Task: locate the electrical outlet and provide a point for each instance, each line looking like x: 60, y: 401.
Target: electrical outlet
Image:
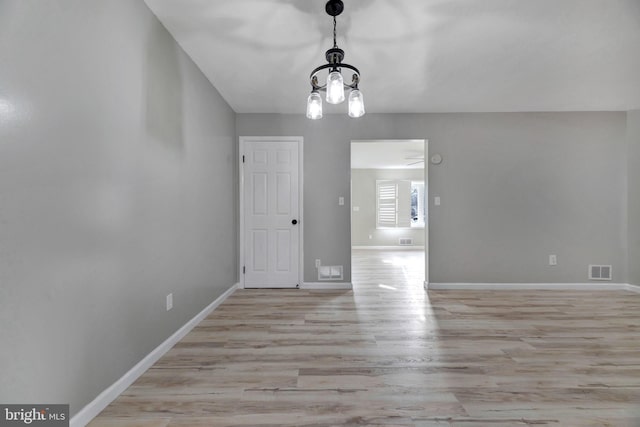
x: 553, y: 260
x: 317, y: 263
x: 169, y: 302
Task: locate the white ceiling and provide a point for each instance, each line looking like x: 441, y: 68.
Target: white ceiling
x: 387, y: 154
x: 418, y: 55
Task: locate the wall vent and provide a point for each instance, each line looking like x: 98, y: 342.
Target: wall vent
x: 405, y: 241
x: 599, y: 272
x: 330, y: 272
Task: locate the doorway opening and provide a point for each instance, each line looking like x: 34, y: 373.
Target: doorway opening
x: 389, y: 215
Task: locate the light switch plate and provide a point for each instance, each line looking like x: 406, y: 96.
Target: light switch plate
x: 436, y: 200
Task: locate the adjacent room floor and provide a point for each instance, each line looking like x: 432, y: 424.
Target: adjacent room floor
x: 389, y: 353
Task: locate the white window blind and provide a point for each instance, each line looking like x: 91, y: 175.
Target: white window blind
x: 387, y: 209
x: 393, y: 204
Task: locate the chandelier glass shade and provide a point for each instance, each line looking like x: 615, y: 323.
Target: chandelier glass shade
x: 314, y: 106
x: 356, y: 104
x: 335, y: 88
x: 335, y: 85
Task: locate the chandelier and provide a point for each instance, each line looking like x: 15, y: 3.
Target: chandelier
x: 335, y: 85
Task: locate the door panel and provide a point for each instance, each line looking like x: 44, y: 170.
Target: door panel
x: 284, y: 194
x: 259, y: 250
x: 271, y: 203
x: 283, y: 250
x: 259, y: 194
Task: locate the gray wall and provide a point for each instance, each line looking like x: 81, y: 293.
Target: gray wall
x: 363, y: 195
x: 117, y: 159
x: 515, y: 188
x: 633, y: 213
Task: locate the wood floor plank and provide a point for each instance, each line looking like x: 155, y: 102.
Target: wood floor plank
x: 390, y: 354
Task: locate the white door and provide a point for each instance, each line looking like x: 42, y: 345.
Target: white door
x: 271, y: 213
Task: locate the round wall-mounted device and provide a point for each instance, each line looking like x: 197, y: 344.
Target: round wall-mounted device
x: 436, y: 159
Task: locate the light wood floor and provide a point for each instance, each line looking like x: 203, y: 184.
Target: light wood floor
x: 390, y: 354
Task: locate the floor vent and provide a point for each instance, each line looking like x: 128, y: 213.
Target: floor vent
x: 599, y: 272
x: 330, y: 272
x: 406, y: 241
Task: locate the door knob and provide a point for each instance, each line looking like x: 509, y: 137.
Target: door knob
x: 294, y: 222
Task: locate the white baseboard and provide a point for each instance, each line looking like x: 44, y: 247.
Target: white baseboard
x: 327, y: 285
x: 633, y: 288
x: 391, y: 248
x: 89, y: 412
x: 533, y: 286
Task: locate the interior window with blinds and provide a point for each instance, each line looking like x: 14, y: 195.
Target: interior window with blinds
x: 418, y: 208
x: 393, y: 208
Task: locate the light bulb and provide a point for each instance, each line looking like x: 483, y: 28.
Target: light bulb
x: 314, y: 106
x: 335, y: 88
x: 356, y: 104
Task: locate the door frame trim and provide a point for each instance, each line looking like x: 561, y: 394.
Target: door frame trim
x: 241, y: 151
x: 426, y: 198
